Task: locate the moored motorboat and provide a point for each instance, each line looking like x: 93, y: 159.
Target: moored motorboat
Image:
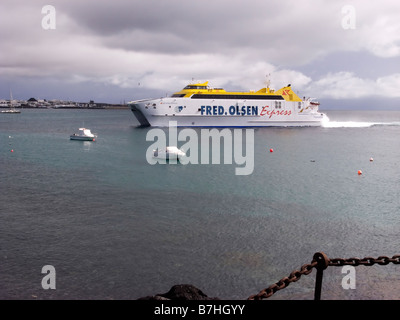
x: 169, y: 153
x: 83, y: 135
x: 11, y: 111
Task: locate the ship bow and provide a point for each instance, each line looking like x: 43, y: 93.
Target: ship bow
x: 136, y: 108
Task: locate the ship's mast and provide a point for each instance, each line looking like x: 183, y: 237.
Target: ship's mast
x: 268, y: 81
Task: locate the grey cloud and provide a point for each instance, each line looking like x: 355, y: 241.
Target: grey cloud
x: 189, y: 17
x: 172, y: 26
x: 234, y: 42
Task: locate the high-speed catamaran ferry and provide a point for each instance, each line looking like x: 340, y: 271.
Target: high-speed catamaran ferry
x: 198, y: 105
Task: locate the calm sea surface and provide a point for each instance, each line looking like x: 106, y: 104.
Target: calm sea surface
x: 115, y: 227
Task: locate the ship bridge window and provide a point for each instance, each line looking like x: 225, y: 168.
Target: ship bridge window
x: 191, y: 87
x: 236, y: 96
x: 178, y: 95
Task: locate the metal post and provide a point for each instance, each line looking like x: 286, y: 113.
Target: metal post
x: 322, y: 263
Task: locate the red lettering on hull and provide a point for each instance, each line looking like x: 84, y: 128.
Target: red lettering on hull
x: 270, y: 113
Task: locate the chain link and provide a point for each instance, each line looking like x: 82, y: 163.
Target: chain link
x: 307, y: 269
x: 284, y: 282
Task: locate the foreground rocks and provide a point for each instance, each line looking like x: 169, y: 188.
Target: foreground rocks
x: 181, y: 292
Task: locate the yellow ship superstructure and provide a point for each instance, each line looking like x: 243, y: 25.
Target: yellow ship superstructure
x: 202, y: 88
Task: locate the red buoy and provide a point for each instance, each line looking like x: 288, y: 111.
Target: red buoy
x: 12, y: 150
x: 359, y: 172
x: 271, y: 150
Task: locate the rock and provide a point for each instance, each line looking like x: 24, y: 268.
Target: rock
x: 157, y: 297
x: 181, y: 292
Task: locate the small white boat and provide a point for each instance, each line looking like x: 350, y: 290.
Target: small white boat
x: 83, y: 135
x: 12, y: 106
x: 169, y: 153
x: 11, y: 111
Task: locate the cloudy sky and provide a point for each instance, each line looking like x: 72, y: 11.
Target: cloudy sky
x: 344, y: 53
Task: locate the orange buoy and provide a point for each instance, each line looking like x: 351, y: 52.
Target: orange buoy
x: 359, y: 172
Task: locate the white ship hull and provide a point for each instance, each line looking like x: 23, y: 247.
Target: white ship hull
x: 226, y: 113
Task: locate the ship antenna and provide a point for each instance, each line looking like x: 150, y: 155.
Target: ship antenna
x: 268, y: 81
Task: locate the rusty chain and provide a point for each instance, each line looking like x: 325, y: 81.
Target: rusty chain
x: 367, y: 261
x: 284, y: 282
x: 318, y: 263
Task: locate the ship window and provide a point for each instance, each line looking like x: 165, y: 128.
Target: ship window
x: 236, y: 96
x: 178, y: 95
x: 299, y: 105
x: 195, y: 87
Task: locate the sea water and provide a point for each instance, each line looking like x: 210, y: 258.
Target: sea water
x: 114, y: 226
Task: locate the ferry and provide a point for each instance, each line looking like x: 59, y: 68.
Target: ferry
x: 199, y: 105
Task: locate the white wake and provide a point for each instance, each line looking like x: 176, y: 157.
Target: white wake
x: 356, y: 124
x: 347, y: 124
